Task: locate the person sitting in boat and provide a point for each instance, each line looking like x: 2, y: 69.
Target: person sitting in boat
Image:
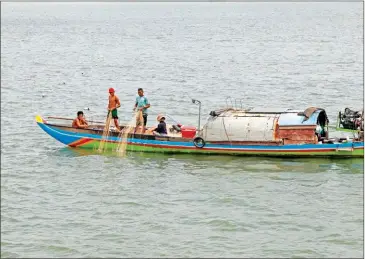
x: 161, y: 127
x: 80, y: 122
x: 320, y: 132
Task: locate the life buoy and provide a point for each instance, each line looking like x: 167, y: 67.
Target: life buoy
x: 199, y: 142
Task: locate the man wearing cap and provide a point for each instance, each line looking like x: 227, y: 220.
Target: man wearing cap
x: 142, y: 104
x: 114, y: 103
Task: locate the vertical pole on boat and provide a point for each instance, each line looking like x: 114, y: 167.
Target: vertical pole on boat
x: 198, y: 103
x: 199, y: 117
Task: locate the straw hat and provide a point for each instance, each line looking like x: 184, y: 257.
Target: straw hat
x: 160, y: 116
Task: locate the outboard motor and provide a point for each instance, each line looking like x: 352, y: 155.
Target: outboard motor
x: 352, y: 120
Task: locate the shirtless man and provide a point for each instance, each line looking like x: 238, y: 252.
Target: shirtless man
x: 114, y: 103
x: 80, y: 122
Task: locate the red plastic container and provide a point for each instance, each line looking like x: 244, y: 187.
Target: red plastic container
x: 188, y: 131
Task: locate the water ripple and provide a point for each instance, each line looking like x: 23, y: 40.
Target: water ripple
x: 63, y: 202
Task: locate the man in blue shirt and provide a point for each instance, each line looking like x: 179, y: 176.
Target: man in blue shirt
x: 142, y: 104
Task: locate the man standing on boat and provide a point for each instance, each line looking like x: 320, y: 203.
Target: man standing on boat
x: 114, y: 103
x: 142, y: 104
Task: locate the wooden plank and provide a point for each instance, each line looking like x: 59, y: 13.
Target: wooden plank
x: 291, y: 127
x: 70, y: 119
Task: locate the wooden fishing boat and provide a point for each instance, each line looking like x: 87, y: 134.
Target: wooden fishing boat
x: 257, y: 132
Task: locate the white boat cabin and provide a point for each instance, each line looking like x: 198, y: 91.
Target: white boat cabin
x: 264, y: 125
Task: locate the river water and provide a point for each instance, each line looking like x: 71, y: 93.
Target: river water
x: 57, y: 59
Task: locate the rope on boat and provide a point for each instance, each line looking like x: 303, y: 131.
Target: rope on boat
x: 225, y: 130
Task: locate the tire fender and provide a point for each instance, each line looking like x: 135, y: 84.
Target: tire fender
x: 199, y: 142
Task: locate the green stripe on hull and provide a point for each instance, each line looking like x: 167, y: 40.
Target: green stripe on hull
x: 347, y: 130
x: 112, y: 146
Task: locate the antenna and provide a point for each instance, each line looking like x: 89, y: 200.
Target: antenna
x: 227, y: 102
x: 194, y: 101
